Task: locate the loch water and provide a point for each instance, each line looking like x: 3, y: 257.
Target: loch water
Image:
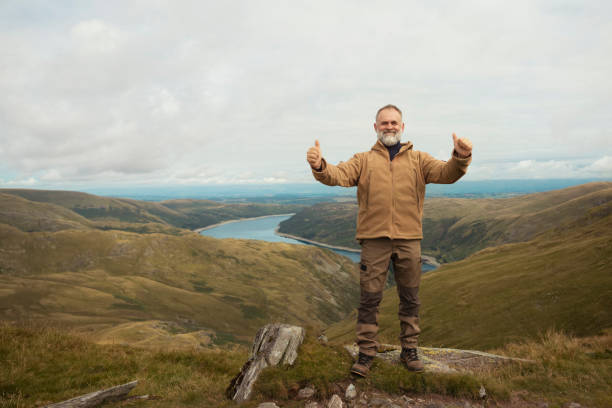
x: 264, y: 228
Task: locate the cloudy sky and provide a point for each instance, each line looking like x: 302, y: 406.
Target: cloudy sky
x: 207, y: 92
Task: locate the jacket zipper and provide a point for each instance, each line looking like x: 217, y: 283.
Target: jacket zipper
x: 416, y: 190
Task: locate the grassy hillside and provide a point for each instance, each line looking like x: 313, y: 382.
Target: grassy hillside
x: 218, y: 290
x: 41, y: 365
x: 34, y: 216
x: 51, y: 207
x: 559, y: 280
x: 454, y: 228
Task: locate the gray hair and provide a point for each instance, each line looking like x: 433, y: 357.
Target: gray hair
x: 389, y: 106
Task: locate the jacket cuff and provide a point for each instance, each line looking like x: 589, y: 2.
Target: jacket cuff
x: 322, y: 169
x: 462, y: 160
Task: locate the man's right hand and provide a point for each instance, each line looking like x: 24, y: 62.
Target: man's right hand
x: 314, y: 156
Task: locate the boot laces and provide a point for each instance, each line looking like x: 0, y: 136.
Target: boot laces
x: 410, y: 353
x: 364, y: 359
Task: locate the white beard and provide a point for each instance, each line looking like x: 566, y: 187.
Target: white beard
x: 390, y: 138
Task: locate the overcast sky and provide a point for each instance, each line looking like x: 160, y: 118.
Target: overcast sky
x: 206, y: 92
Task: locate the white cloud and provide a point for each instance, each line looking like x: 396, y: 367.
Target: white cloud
x: 95, y: 36
x: 602, y: 166
x: 544, y: 169
x: 100, y: 91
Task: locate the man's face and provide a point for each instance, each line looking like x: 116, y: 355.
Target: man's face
x: 389, y: 127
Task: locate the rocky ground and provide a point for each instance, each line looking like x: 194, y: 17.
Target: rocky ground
x: 352, y: 398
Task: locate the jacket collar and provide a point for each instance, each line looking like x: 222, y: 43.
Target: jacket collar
x: 382, y: 148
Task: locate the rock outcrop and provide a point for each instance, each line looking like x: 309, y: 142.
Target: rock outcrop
x: 442, y: 360
x: 274, y: 344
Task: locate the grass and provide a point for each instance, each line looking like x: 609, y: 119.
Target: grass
x: 43, y: 364
x: 566, y: 369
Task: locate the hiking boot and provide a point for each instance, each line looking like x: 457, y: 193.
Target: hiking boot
x: 362, y: 366
x: 410, y: 358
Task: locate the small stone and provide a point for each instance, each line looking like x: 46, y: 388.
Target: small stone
x: 351, y: 392
x: 312, y: 404
x: 305, y: 393
x: 267, y: 405
x: 335, y: 402
x: 322, y: 339
x: 482, y: 392
x: 378, y: 402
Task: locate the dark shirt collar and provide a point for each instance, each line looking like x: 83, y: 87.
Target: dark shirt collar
x: 393, y: 150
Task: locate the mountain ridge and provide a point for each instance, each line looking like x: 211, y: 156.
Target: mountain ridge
x: 454, y: 228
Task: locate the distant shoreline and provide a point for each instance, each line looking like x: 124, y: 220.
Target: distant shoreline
x: 430, y: 260
x: 198, y: 230
x: 341, y: 248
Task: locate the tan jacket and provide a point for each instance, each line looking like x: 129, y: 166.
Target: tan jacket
x: 391, y: 193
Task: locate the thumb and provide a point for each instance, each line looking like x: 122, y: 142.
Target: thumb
x: 317, y: 145
x: 454, y: 138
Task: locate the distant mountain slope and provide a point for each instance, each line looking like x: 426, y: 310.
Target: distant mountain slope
x: 454, y: 228
x: 125, y: 214
x: 33, y: 216
x: 561, y: 279
x: 96, y: 280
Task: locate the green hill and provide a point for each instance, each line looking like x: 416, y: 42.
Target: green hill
x: 226, y: 289
x: 454, y: 228
x: 559, y: 280
x: 123, y: 214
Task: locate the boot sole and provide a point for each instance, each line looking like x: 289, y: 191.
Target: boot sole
x: 360, y: 374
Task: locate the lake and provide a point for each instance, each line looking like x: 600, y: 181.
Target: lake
x: 264, y: 229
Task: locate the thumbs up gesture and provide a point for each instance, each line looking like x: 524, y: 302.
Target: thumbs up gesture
x: 463, y: 147
x: 313, y: 156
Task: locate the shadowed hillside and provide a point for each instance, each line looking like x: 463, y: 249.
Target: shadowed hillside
x: 454, y: 228
x: 561, y: 279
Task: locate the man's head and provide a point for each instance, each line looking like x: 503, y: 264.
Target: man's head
x: 389, y: 125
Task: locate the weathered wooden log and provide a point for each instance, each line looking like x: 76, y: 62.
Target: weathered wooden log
x: 96, y: 398
x: 274, y: 344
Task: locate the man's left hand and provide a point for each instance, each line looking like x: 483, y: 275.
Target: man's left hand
x: 463, y: 146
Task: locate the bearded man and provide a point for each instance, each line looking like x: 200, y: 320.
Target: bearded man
x: 390, y: 180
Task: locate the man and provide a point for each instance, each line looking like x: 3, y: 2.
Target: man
x: 390, y: 181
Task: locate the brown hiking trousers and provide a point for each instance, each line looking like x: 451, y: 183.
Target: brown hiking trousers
x: 376, y: 256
